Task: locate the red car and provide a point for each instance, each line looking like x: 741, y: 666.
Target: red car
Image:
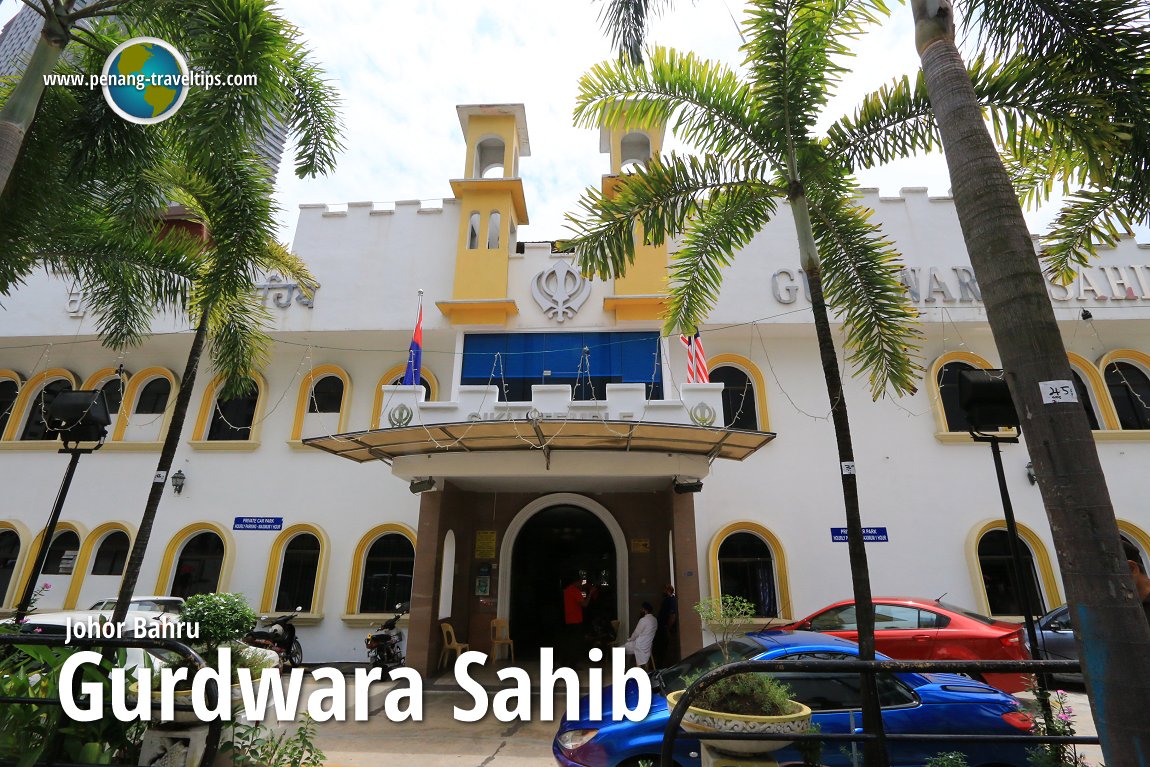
x: 909, y: 628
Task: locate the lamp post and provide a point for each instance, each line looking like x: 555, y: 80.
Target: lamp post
x: 75, y: 417
x: 985, y: 396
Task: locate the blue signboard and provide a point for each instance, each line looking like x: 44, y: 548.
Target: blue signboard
x: 258, y: 523
x: 870, y: 534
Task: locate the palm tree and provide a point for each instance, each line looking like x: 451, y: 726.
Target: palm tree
x: 1097, y: 54
x: 201, y: 161
x: 756, y: 148
x: 1104, y: 48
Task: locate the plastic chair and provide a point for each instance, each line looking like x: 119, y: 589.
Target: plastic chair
x: 501, y: 635
x: 450, y: 644
x: 649, y: 665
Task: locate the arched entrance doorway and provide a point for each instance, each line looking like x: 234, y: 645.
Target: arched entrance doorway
x: 554, y: 543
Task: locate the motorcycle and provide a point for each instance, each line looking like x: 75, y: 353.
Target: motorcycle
x: 278, y: 634
x: 385, y: 642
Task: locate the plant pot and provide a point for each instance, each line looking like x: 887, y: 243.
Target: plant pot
x: 704, y: 720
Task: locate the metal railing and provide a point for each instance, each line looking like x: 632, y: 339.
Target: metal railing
x: 675, y: 719
x: 14, y: 640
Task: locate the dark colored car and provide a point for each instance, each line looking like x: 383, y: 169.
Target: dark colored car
x: 1056, y: 639
x: 912, y: 628
x: 912, y: 703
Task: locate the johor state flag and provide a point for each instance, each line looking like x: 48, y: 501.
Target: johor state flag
x: 696, y: 359
x: 415, y: 354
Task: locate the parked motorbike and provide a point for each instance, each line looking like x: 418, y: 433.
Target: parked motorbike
x: 278, y: 634
x: 385, y: 642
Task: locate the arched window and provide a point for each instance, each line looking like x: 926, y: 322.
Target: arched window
x: 298, y: 572
x: 948, y: 395
x: 232, y: 418
x: 153, y: 399
x: 199, y: 565
x: 1003, y: 594
x: 489, y: 155
x: 112, y: 391
x: 36, y: 426
x: 9, y: 553
x: 1130, y: 390
x: 739, y: 411
x: 62, y: 554
x: 473, y: 231
x: 112, y: 554
x: 326, y: 395
x: 387, y: 573
x: 746, y: 569
x: 635, y: 151
x: 9, y: 390
x: 1086, y: 398
x: 493, y: 223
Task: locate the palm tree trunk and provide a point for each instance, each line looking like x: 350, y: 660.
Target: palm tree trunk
x: 1110, y: 625
x: 20, y: 109
x: 167, y: 456
x: 874, y: 752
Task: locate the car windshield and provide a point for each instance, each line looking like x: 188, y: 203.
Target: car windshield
x: 968, y: 613
x: 704, y: 660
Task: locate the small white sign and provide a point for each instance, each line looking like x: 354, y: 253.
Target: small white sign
x: 1058, y: 391
x: 160, y: 477
x: 848, y: 468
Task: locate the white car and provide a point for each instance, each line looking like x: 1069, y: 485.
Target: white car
x: 151, y: 604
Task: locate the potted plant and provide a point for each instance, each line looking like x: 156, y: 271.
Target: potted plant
x: 213, y: 622
x: 750, y: 702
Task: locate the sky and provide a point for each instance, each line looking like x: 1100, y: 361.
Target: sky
x: 402, y: 68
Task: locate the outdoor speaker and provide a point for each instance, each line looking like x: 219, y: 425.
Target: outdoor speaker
x: 78, y: 416
x: 985, y: 397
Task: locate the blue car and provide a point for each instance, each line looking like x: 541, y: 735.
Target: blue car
x: 912, y: 703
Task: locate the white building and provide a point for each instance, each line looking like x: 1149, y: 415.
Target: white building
x: 502, y: 519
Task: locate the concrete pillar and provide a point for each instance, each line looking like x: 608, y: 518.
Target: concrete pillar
x: 424, y: 640
x: 686, y: 571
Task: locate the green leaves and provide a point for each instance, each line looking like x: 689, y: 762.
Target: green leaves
x: 756, y: 145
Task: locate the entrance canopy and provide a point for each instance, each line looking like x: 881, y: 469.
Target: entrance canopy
x: 519, y: 435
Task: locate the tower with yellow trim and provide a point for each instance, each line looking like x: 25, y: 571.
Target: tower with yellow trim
x: 642, y: 293
x: 492, y: 207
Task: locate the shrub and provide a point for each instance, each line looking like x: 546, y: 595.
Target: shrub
x: 222, y: 618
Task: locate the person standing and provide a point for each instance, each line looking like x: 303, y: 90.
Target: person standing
x: 667, y: 637
x: 574, y: 600
x: 643, y: 636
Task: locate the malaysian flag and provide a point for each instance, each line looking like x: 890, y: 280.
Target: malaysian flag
x: 696, y: 359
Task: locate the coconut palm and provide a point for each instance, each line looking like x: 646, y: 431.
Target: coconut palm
x: 199, y: 166
x: 1094, y: 54
x: 757, y: 148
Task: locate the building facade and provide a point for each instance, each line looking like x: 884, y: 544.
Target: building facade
x: 553, y: 432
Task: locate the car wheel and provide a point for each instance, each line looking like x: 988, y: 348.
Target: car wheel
x: 295, y: 657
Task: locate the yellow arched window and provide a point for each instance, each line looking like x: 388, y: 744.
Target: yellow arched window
x: 382, y: 570
x: 233, y: 422
x: 1127, y: 376
x: 297, y: 569
x: 9, y: 392
x: 747, y: 560
x: 198, y: 560
x: 149, y: 399
x: 26, y: 422
x: 950, y: 420
x: 997, y: 586
x: 394, y: 377
x: 744, y: 392
x: 322, y: 404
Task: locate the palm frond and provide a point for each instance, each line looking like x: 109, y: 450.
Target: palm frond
x: 705, y: 103
x: 861, y: 271
x: 726, y: 224
x: 626, y: 22
x: 1087, y: 219
x: 240, y: 347
x: 895, y: 121
x: 659, y: 200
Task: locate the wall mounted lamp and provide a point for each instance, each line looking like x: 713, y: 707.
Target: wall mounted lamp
x: 688, y: 485
x: 178, y: 480
x: 1030, y: 473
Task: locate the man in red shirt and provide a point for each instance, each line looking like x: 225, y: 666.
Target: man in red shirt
x: 574, y: 600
